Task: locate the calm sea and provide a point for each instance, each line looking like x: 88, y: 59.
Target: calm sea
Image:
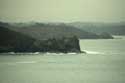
x: 103, y: 63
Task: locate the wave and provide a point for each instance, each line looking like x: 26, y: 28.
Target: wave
x: 22, y: 53
x: 37, y: 53
x: 49, y: 53
x: 93, y: 52
x: 71, y: 53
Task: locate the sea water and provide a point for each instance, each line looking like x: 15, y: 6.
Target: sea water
x: 103, y: 63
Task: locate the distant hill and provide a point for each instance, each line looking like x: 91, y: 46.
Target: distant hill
x: 11, y: 41
x: 117, y: 28
x: 42, y: 37
x: 51, y: 30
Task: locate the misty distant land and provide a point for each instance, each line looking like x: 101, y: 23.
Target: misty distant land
x: 112, y: 28
x: 53, y: 37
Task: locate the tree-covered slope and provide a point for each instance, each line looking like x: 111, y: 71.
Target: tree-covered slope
x: 43, y: 31
x: 13, y: 41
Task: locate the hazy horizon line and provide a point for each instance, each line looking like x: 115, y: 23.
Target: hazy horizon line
x: 75, y: 21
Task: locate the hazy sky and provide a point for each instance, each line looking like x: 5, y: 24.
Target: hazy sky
x: 62, y: 10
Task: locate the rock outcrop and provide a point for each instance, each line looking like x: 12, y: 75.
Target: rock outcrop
x: 65, y: 45
x: 11, y: 41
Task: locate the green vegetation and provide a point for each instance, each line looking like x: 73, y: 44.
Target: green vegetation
x: 43, y: 37
x: 53, y: 30
x: 11, y: 41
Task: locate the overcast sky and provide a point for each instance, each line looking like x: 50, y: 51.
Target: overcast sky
x: 62, y: 10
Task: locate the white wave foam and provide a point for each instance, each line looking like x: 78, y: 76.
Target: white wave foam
x: 48, y: 53
x: 36, y: 53
x: 72, y: 53
x: 93, y: 52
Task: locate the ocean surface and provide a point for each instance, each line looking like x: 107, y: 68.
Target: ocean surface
x: 103, y: 63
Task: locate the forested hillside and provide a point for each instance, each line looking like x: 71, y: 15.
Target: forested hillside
x: 50, y: 30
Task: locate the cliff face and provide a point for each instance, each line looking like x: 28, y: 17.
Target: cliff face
x: 65, y: 45
x: 11, y: 41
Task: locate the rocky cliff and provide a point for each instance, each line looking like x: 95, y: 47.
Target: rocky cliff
x: 11, y: 41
